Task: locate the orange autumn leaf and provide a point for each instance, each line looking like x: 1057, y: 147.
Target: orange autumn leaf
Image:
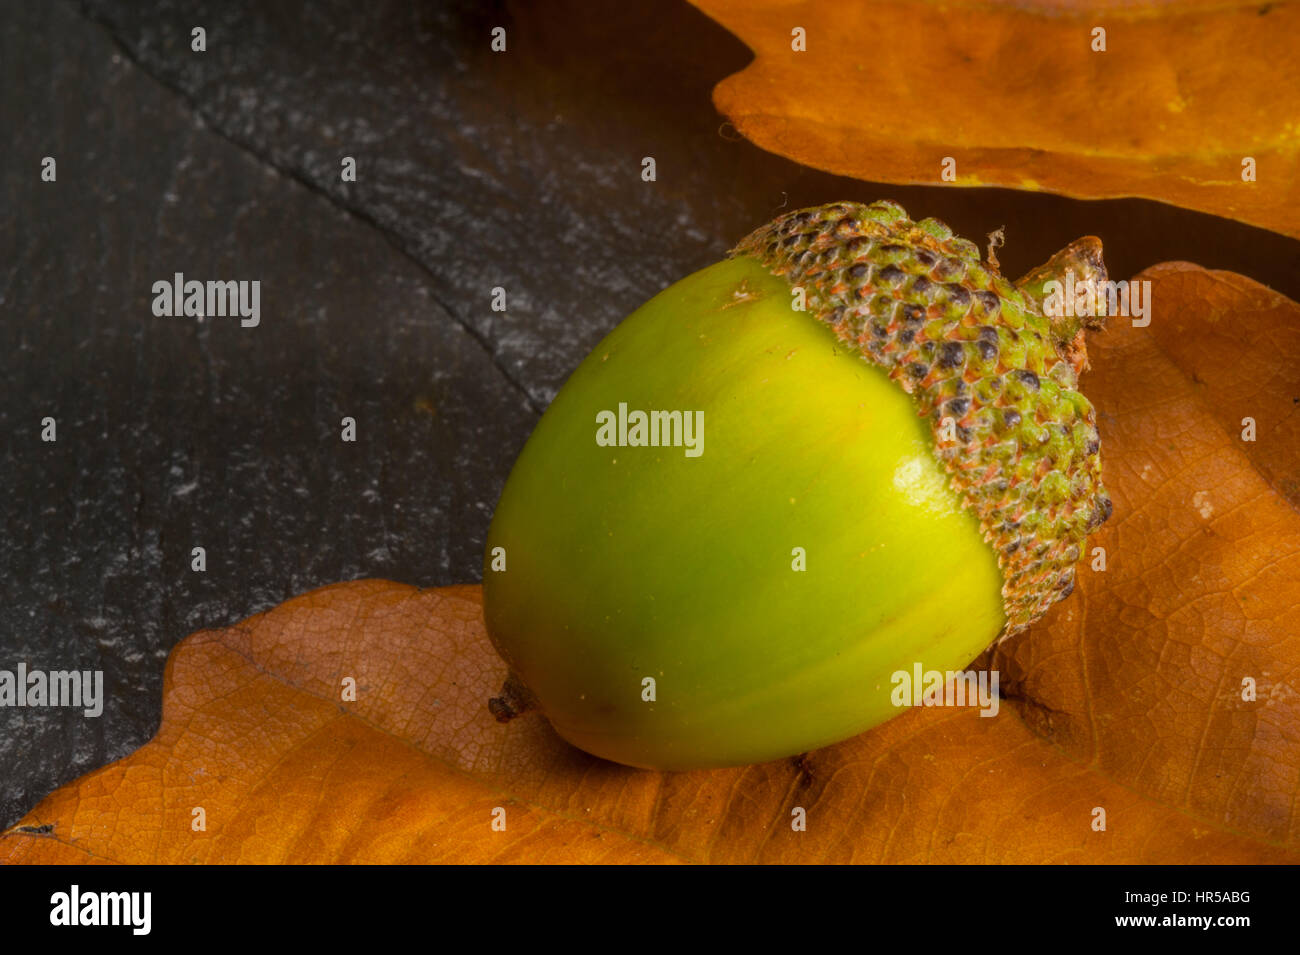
x: 1129, y: 697
x: 1018, y: 97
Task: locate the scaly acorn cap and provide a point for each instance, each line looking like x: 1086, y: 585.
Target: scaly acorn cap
x: 996, y: 378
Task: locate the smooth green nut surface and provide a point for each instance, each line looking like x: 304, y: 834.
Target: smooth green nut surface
x: 628, y: 562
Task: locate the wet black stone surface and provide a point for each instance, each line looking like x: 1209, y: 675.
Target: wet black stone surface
x: 475, y: 170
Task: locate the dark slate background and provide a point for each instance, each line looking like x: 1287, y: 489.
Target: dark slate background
x: 476, y: 169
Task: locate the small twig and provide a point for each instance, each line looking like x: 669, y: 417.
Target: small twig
x: 996, y: 238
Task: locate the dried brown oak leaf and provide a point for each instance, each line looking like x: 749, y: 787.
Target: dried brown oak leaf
x: 1127, y: 697
x: 1016, y: 94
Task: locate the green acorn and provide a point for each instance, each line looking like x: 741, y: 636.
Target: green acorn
x: 847, y: 449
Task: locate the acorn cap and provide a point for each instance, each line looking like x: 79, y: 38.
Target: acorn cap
x: 997, y: 380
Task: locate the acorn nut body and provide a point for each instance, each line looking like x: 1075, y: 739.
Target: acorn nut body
x: 849, y: 448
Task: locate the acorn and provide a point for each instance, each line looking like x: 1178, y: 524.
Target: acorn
x: 849, y: 448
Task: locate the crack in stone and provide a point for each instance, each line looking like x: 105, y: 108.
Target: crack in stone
x: 391, y: 238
